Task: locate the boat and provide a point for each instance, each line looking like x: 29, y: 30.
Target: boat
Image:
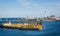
x: 24, y: 26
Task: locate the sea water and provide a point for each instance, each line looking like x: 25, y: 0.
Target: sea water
x: 49, y: 29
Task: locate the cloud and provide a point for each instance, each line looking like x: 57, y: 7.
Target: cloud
x: 33, y: 4
x: 29, y: 8
x: 39, y: 7
x: 24, y: 3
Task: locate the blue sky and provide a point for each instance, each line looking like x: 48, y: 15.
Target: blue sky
x: 31, y: 8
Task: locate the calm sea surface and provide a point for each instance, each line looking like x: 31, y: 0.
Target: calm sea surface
x: 50, y: 29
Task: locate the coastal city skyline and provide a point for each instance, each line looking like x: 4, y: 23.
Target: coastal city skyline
x: 30, y: 8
